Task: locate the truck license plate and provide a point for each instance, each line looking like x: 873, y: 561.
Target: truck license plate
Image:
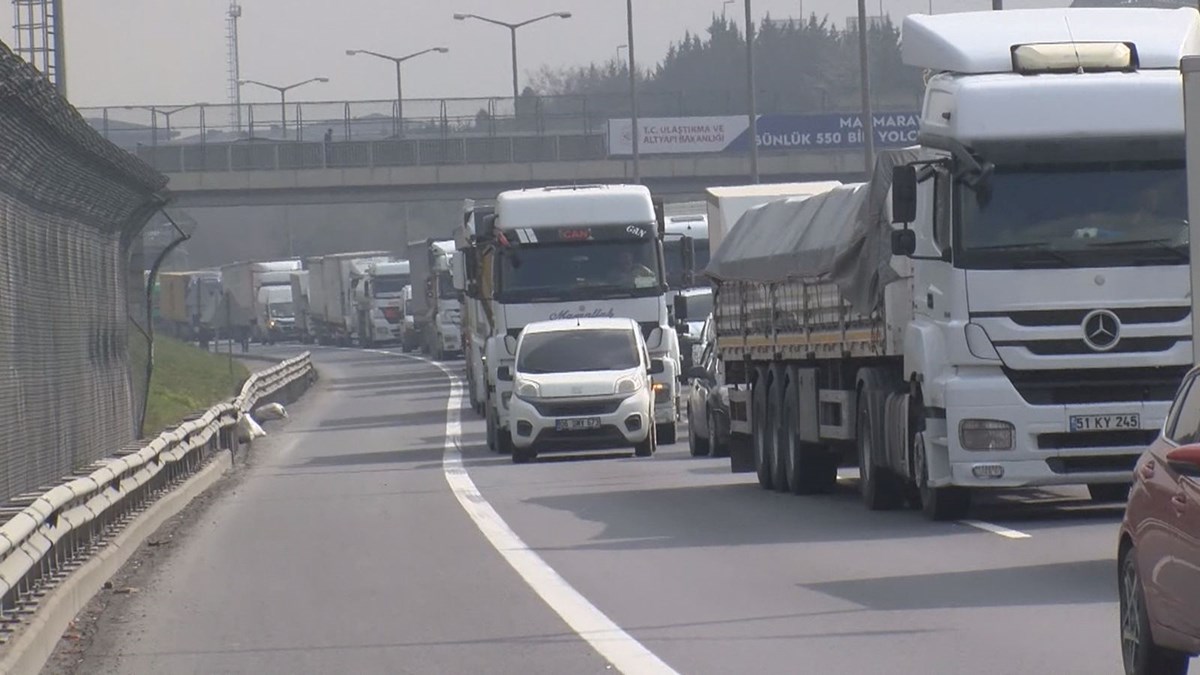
x: 577, y: 424
x: 1105, y: 422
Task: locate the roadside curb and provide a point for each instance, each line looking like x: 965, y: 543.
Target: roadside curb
x: 36, y: 642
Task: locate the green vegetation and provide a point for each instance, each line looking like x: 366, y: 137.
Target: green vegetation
x: 187, y: 380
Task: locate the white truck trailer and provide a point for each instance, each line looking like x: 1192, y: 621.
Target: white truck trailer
x: 331, y: 300
x: 572, y: 252
x: 437, y: 314
x: 242, y: 284
x: 476, y: 317
x: 1028, y: 324
x: 380, y: 297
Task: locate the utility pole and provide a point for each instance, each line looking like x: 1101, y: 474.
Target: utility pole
x: 234, y: 64
x: 751, y: 97
x: 868, y: 118
x: 633, y: 98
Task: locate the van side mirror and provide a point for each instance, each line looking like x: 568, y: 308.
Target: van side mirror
x: 904, y: 242
x: 504, y: 374
x: 657, y: 367
x: 904, y: 194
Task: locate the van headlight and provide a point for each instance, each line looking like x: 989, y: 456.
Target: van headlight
x: 528, y: 390
x: 629, y: 385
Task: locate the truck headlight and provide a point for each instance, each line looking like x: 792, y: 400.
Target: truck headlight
x: 527, y: 390
x: 985, y: 435
x: 629, y: 385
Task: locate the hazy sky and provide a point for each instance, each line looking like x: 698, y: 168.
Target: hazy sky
x: 173, y: 51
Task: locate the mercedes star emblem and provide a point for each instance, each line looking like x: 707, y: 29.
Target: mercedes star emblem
x: 1101, y: 330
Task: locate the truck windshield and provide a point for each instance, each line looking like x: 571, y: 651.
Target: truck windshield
x: 577, y: 351
x: 579, y: 271
x: 281, y: 310
x: 1082, y: 215
x: 390, y: 285
x: 446, y: 289
x: 673, y: 259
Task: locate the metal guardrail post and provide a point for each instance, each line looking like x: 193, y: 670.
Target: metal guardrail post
x: 371, y: 154
x: 275, y: 155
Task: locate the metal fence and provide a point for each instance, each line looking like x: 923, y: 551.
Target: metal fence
x: 47, y: 535
x: 73, y: 352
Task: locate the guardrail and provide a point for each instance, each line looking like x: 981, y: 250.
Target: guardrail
x: 265, y: 155
x: 49, y: 535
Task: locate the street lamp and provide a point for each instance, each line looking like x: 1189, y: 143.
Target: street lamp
x: 724, y: 5
x: 512, y: 27
x: 868, y: 117
x: 635, y: 136
x: 154, y: 110
x: 751, y: 102
x: 399, y: 82
x: 283, y: 96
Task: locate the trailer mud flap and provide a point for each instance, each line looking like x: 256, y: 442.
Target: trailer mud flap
x: 740, y: 421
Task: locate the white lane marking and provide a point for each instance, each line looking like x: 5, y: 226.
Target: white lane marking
x: 996, y: 529
x: 621, y: 650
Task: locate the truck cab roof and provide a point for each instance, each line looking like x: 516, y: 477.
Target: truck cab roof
x: 574, y: 205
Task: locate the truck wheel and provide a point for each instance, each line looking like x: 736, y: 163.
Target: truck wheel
x: 1102, y: 493
x: 808, y: 467
x: 777, y: 425
x: 666, y: 433
x: 944, y: 503
x: 718, y: 443
x: 879, y: 487
x: 763, y: 456
x: 490, y: 416
x: 696, y: 445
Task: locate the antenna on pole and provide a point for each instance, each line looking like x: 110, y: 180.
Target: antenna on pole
x: 235, y: 70
x: 38, y: 27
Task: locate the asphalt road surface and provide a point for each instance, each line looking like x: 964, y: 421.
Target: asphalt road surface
x: 354, y: 543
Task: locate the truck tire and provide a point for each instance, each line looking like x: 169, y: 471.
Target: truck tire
x: 698, y: 447
x: 944, y: 503
x: 718, y: 441
x: 741, y: 453
x: 667, y: 433
x: 809, y: 468
x: 881, y: 489
x: 490, y: 416
x: 777, y: 425
x: 761, y: 434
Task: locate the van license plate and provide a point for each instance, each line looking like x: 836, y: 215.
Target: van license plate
x: 1105, y: 422
x: 577, y: 424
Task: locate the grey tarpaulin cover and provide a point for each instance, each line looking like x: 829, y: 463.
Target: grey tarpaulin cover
x: 843, y: 235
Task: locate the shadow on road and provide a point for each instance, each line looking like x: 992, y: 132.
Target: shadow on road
x: 1073, y: 583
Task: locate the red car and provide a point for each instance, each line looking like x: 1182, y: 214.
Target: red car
x: 1159, y: 554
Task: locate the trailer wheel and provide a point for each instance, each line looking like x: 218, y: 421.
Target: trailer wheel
x: 938, y: 503
x: 879, y: 487
x: 809, y: 468
x: 777, y: 424
x: 761, y: 436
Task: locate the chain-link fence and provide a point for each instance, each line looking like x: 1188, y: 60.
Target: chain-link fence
x: 74, y: 359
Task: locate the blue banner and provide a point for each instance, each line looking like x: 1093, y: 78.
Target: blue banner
x: 829, y: 132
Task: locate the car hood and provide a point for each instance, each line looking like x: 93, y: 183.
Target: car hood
x: 588, y: 383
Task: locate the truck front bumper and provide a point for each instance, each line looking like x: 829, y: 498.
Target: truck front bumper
x: 1045, y: 451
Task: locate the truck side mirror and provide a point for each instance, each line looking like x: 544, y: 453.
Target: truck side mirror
x: 656, y: 367
x: 510, y: 343
x: 681, y: 308
x: 904, y: 242
x: 504, y: 374
x: 904, y: 194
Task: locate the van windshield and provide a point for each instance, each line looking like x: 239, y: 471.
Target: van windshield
x: 577, y: 350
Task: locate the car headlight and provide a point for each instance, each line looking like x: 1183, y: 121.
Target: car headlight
x: 629, y: 385
x: 527, y: 390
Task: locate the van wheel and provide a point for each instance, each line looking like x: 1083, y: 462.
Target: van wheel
x: 523, y: 455
x: 697, y: 446
x: 666, y: 433
x: 647, y: 447
x: 718, y: 439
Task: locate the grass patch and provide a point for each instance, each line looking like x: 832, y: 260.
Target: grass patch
x: 187, y: 380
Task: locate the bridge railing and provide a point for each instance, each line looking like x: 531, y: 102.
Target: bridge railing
x: 265, y: 155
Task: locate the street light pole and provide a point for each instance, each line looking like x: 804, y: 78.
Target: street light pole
x: 633, y: 98
x: 619, y: 48
x: 512, y: 28
x: 868, y: 118
x: 751, y: 98
x: 399, y: 78
x: 283, y: 96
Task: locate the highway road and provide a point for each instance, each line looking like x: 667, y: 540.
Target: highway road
x: 353, y: 541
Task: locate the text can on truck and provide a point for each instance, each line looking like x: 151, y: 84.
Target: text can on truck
x: 437, y: 314
x: 1028, y: 323
x: 565, y: 253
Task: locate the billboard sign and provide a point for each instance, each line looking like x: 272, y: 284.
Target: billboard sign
x: 731, y: 134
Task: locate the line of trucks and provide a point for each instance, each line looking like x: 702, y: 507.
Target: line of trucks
x: 364, y: 298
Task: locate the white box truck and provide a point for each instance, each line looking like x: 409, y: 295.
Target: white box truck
x: 247, y: 312
x: 1027, y: 322
x: 331, y: 300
